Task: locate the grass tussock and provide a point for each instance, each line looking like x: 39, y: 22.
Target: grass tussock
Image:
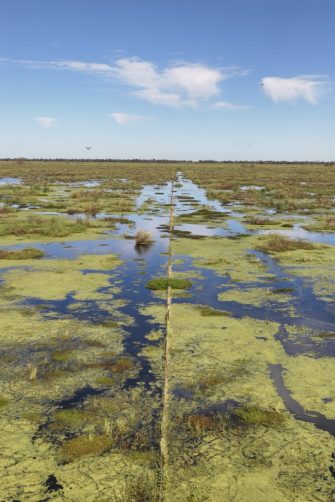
x: 87, y: 445
x: 162, y: 283
x: 141, y: 489
x: 21, y: 254
x: 280, y: 244
x: 143, y: 238
x: 259, y: 220
x: 253, y: 415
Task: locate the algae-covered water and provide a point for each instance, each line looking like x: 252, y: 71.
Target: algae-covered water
x: 251, y: 343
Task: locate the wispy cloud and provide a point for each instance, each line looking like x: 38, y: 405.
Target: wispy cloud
x: 226, y: 105
x: 177, y: 85
x: 306, y: 87
x: 46, y: 122
x: 128, y: 118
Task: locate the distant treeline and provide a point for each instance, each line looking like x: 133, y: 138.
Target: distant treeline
x: 167, y: 161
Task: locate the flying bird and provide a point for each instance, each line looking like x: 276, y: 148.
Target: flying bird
x: 88, y: 147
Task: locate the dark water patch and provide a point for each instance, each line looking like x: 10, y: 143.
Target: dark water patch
x: 52, y: 484
x: 299, y: 413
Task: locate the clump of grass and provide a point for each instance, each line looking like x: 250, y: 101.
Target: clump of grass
x: 326, y: 224
x: 253, y: 415
x: 21, y: 254
x: 119, y: 366
x: 143, y: 238
x: 279, y: 244
x: 207, y: 311
x: 6, y: 210
x: 71, y: 418
x: 162, y: 283
x: 259, y: 220
x: 81, y: 446
x: 141, y: 489
x: 203, y: 422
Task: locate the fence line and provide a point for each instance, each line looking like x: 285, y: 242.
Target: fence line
x: 164, y: 444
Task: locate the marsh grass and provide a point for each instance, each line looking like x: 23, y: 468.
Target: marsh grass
x: 143, y: 238
x: 21, y: 254
x: 86, y: 445
x: 162, y: 283
x: 253, y: 416
x: 326, y: 224
x: 201, y: 422
x: 71, y: 418
x: 207, y: 311
x: 46, y: 227
x: 142, y: 489
x: 117, y: 366
x: 280, y: 244
x: 259, y: 220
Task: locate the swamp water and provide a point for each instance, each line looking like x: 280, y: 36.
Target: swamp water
x: 252, y: 347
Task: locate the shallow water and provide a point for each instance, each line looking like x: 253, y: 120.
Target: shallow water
x: 141, y: 264
x: 297, y: 232
x: 10, y: 181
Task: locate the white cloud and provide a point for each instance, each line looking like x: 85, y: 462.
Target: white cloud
x: 307, y: 87
x: 128, y: 118
x: 225, y: 105
x: 177, y: 85
x: 46, y: 122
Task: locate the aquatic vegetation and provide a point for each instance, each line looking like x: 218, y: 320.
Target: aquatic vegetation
x: 253, y: 415
x: 141, y: 489
x: 3, y: 402
x: 162, y: 283
x: 21, y: 254
x: 82, y: 357
x: 71, y: 418
x: 326, y: 224
x: 87, y: 445
x: 45, y: 227
x: 280, y: 244
x: 259, y: 220
x: 143, y: 238
x: 210, y: 312
x: 202, y: 423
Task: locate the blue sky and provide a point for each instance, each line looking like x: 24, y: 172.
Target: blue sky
x: 176, y: 79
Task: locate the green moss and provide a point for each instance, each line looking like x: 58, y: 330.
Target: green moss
x: 62, y: 355
x: 72, y: 418
x: 104, y: 380
x: 162, y: 283
x: 253, y: 415
x: 3, y: 402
